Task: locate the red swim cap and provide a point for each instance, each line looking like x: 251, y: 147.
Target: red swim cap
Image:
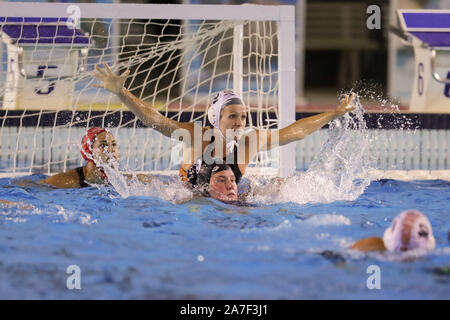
x: 88, y: 141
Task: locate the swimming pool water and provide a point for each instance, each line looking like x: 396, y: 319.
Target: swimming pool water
x: 143, y: 247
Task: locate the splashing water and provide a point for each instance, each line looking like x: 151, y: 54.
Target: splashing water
x: 171, y: 190
x: 340, y: 171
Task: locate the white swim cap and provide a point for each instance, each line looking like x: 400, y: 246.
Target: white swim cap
x: 221, y: 100
x: 409, y: 230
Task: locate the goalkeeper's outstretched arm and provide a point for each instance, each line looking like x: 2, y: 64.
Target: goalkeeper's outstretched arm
x: 145, y: 112
x: 303, y: 127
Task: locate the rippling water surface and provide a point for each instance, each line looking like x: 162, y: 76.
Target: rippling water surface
x: 132, y: 241
x: 147, y: 247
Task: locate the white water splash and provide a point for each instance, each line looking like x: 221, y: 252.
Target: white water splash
x: 128, y: 185
x: 340, y: 170
x: 328, y: 219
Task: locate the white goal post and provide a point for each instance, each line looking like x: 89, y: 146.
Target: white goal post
x: 179, y: 55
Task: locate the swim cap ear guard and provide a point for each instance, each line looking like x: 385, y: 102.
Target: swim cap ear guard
x: 409, y: 230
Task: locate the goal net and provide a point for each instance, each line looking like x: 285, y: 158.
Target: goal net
x: 179, y: 56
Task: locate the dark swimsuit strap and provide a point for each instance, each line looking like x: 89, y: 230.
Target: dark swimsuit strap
x: 80, y: 172
x: 234, y: 166
x: 191, y: 174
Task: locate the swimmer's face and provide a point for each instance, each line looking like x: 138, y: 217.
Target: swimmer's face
x: 105, y: 148
x: 233, y: 117
x: 222, y: 186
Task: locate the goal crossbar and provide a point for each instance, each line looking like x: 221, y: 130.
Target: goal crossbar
x: 152, y: 11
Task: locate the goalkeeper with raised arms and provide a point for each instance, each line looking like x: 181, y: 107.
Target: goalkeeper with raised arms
x: 228, y: 116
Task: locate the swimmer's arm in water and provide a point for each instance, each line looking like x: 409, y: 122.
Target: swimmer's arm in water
x: 303, y: 127
x: 24, y: 183
x: 144, y: 111
x: 369, y: 244
x: 69, y: 179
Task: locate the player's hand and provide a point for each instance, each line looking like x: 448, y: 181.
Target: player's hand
x: 109, y: 80
x: 345, y: 105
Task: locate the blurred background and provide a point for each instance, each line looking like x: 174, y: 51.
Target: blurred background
x: 335, y: 49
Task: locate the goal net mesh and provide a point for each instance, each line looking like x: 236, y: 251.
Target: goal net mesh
x: 48, y: 100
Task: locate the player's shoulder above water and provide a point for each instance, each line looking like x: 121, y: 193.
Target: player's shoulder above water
x: 68, y: 179
x: 369, y: 244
